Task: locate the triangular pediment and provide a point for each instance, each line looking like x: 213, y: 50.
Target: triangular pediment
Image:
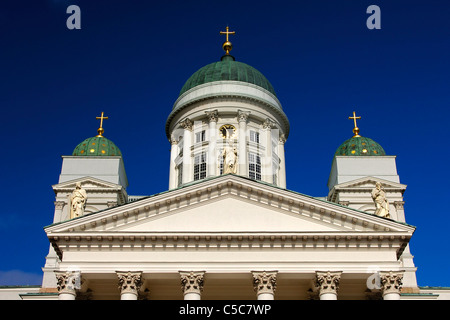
x: 232, y: 208
x: 229, y: 204
x: 369, y: 182
x: 365, y: 184
x: 87, y: 183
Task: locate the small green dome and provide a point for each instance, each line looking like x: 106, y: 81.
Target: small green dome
x: 227, y: 69
x: 96, y: 146
x: 360, y: 146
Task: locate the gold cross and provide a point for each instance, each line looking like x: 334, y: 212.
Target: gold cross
x: 355, y: 129
x: 227, y: 33
x: 227, y: 44
x: 100, y: 130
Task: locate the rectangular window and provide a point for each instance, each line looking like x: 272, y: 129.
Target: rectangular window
x: 254, y: 136
x: 200, y: 166
x: 200, y: 136
x: 254, y: 166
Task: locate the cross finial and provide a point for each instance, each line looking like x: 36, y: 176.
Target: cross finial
x: 227, y: 44
x: 100, y: 130
x: 355, y: 129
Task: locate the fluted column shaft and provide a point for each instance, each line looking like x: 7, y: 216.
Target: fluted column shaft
x: 172, y: 171
x: 242, y: 135
x: 267, y: 159
x: 187, y: 125
x: 282, y: 168
x: 213, y: 116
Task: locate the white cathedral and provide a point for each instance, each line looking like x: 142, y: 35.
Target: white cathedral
x: 227, y: 228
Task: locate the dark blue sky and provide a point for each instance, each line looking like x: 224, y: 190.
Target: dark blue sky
x: 131, y: 58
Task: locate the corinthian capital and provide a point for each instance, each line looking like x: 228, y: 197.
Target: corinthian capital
x: 268, y: 124
x: 192, y: 282
x: 68, y: 282
x: 264, y: 282
x: 213, y: 116
x: 59, y: 205
x: 328, y: 282
x: 129, y: 282
x: 243, y: 115
x: 187, y: 124
x: 399, y: 205
x: 391, y: 281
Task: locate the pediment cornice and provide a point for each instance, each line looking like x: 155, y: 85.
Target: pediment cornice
x: 365, y: 184
x: 88, y: 183
x: 351, y: 226
x: 236, y: 186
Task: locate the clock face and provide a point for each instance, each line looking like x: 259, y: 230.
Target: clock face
x: 227, y: 131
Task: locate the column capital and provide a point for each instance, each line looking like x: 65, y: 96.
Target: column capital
x: 268, y: 124
x: 391, y: 281
x: 213, y: 115
x: 129, y: 281
x: 242, y: 116
x: 192, y: 281
x: 399, y: 205
x: 282, y: 139
x: 59, y: 205
x: 187, y: 124
x: 67, y: 282
x: 328, y: 281
x: 264, y: 281
x: 173, y: 140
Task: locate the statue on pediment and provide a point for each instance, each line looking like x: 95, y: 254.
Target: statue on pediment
x: 77, y: 201
x: 381, y: 203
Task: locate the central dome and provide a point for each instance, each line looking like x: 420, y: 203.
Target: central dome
x: 227, y: 69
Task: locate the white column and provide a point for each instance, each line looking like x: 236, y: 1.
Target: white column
x: 192, y: 284
x: 328, y: 283
x: 242, y: 141
x: 187, y: 143
x: 212, y: 144
x: 173, y: 155
x: 67, y: 284
x: 282, y: 169
x: 129, y: 284
x: 267, y: 159
x: 264, y: 284
x: 391, y: 284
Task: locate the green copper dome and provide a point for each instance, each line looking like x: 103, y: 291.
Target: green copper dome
x: 227, y: 69
x: 96, y: 146
x: 360, y: 146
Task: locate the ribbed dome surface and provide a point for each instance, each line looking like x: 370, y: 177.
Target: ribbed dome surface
x: 227, y: 69
x: 96, y: 146
x: 360, y: 146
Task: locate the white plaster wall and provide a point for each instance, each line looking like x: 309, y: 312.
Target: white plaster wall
x: 110, y: 169
x: 348, y: 168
